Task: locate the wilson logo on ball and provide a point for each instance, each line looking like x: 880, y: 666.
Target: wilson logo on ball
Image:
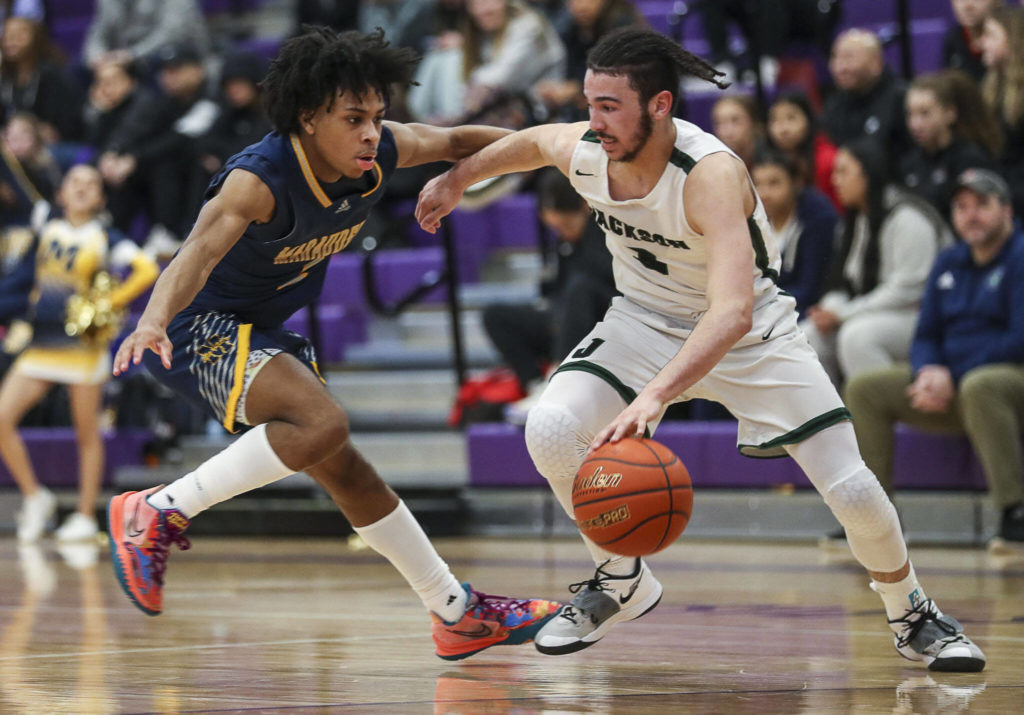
x: 599, y: 480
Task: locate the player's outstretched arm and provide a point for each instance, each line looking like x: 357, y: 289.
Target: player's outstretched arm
x: 243, y: 199
x: 718, y: 199
x: 525, y: 150
x: 424, y: 143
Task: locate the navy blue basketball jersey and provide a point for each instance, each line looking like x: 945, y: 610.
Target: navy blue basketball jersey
x: 277, y: 267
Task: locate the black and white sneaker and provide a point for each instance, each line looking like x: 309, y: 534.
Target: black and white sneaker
x: 600, y: 603
x: 926, y: 634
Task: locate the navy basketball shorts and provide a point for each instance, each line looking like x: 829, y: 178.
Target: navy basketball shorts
x: 216, y: 357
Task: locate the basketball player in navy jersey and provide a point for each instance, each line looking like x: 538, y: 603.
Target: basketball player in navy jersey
x: 212, y: 329
x: 700, y: 316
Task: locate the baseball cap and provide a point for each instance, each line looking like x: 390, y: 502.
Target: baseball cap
x: 177, y: 54
x: 985, y: 183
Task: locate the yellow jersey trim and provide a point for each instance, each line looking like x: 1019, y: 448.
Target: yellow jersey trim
x: 307, y: 172
x: 380, y: 179
x: 241, y: 359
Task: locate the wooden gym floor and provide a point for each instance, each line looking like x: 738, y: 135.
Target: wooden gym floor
x: 268, y: 625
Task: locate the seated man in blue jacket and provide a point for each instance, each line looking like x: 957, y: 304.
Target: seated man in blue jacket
x: 967, y: 358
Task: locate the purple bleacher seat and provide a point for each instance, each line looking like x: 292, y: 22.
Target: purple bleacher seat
x: 875, y: 12
x: 266, y: 47
x: 54, y: 454
x: 339, y: 328
x: 515, y: 219
x: 498, y: 458
x: 399, y: 271
x: 929, y: 461
x: 344, y: 282
x: 63, y: 9
x: 68, y: 33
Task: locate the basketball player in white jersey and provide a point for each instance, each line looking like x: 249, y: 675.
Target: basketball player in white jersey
x: 700, y: 316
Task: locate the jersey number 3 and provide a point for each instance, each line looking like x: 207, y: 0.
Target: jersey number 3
x: 649, y: 261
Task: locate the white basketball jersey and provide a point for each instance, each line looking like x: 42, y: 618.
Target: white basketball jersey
x: 658, y: 260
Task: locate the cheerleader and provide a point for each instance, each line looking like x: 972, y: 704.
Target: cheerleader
x: 73, y: 249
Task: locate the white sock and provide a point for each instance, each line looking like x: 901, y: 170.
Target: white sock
x: 900, y: 597
x: 249, y: 462
x: 400, y: 539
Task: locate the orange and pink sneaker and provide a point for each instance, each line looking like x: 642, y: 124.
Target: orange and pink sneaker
x: 490, y: 620
x: 140, y: 539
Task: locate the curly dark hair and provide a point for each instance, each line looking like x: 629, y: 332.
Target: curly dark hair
x: 317, y: 65
x: 652, y: 62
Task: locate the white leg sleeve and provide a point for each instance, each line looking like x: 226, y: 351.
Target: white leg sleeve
x: 574, y: 407
x: 833, y: 463
x: 247, y: 463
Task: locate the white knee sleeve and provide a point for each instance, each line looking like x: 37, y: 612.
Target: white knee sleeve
x: 833, y: 463
x: 860, y: 504
x: 557, y: 444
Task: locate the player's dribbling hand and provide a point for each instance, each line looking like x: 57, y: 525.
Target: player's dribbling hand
x: 142, y: 338
x: 437, y: 199
x: 631, y: 422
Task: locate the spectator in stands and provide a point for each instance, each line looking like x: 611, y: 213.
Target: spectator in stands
x: 793, y: 129
x: 736, y: 120
x: 115, y: 93
x: 888, y: 240
x: 241, y: 121
x: 575, y: 293
x: 32, y: 81
x: 1002, y: 43
x: 132, y: 30
x: 584, y: 23
x: 966, y: 370
x: 504, y: 50
x: 803, y: 220
x: 149, y: 162
x: 72, y: 250
x: 868, y: 98
x: 24, y: 142
x: 961, y: 47
x: 951, y: 131
x: 406, y: 23
x: 768, y: 26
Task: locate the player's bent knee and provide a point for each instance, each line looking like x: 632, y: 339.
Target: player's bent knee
x: 323, y: 435
x: 555, y: 440
x: 860, y: 504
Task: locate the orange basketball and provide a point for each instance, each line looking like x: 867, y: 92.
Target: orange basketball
x: 632, y: 497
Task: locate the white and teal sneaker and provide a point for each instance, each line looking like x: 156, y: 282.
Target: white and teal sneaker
x: 927, y: 634
x: 600, y: 603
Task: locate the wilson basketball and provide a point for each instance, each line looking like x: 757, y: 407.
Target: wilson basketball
x: 632, y: 497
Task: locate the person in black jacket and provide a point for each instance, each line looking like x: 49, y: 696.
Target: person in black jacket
x: 961, y: 47
x: 868, y: 99
x: 148, y: 163
x: 32, y: 81
x: 952, y: 131
x: 114, y: 95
